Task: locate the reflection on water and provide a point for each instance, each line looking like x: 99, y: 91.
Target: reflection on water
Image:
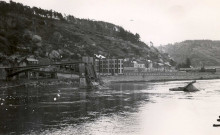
x: 126, y: 109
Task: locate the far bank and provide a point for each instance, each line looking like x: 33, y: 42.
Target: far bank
x: 71, y: 79
x: 159, y: 76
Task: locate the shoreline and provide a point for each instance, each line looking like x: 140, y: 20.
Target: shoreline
x: 106, y: 80
x: 37, y: 83
x: 158, y: 78
x: 165, y: 80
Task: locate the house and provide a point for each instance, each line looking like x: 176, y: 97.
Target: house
x: 44, y: 72
x: 44, y: 61
x: 28, y: 62
x: 23, y: 63
x: 139, y: 64
x: 150, y: 64
x: 134, y: 66
x: 167, y: 66
x: 32, y: 61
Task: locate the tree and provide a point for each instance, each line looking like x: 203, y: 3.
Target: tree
x: 4, y: 9
x: 122, y: 33
x: 137, y: 37
x: 188, y: 63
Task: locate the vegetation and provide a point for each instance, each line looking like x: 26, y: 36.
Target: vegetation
x: 34, y: 31
x: 187, y: 64
x: 200, y: 52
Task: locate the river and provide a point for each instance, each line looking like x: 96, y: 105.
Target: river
x: 140, y: 108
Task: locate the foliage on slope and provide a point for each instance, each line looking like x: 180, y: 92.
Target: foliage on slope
x: 200, y: 52
x: 45, y: 33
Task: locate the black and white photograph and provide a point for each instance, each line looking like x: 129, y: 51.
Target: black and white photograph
x: 109, y: 67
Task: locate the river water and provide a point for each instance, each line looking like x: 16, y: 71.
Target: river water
x: 143, y: 108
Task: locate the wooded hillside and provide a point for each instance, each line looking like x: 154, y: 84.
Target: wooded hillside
x: 34, y: 31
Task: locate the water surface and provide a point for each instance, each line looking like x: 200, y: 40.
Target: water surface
x: 126, y: 109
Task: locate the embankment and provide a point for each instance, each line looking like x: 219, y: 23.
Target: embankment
x: 162, y: 76
x: 38, y: 83
x: 62, y: 79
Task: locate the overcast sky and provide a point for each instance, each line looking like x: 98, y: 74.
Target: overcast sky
x: 159, y: 21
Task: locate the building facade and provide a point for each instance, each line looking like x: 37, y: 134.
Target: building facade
x: 109, y: 66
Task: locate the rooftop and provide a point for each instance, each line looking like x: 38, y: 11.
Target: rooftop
x: 31, y: 59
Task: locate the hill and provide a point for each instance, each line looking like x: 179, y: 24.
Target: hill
x: 43, y: 33
x: 200, y: 52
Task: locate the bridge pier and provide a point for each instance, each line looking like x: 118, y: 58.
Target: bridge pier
x: 88, y: 77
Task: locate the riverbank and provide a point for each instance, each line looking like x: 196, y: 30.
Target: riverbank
x: 159, y: 77
x: 38, y: 83
x: 62, y: 79
x: 105, y: 80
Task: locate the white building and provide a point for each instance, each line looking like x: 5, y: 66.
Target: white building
x: 150, y: 64
x: 138, y: 64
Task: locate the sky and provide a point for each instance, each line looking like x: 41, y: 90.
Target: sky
x: 158, y: 21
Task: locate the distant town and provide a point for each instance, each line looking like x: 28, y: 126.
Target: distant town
x: 102, y: 65
x: 36, y: 68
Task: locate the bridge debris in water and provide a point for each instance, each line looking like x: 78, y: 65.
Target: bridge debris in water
x: 88, y: 75
x: 217, y: 125
x: 188, y: 88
